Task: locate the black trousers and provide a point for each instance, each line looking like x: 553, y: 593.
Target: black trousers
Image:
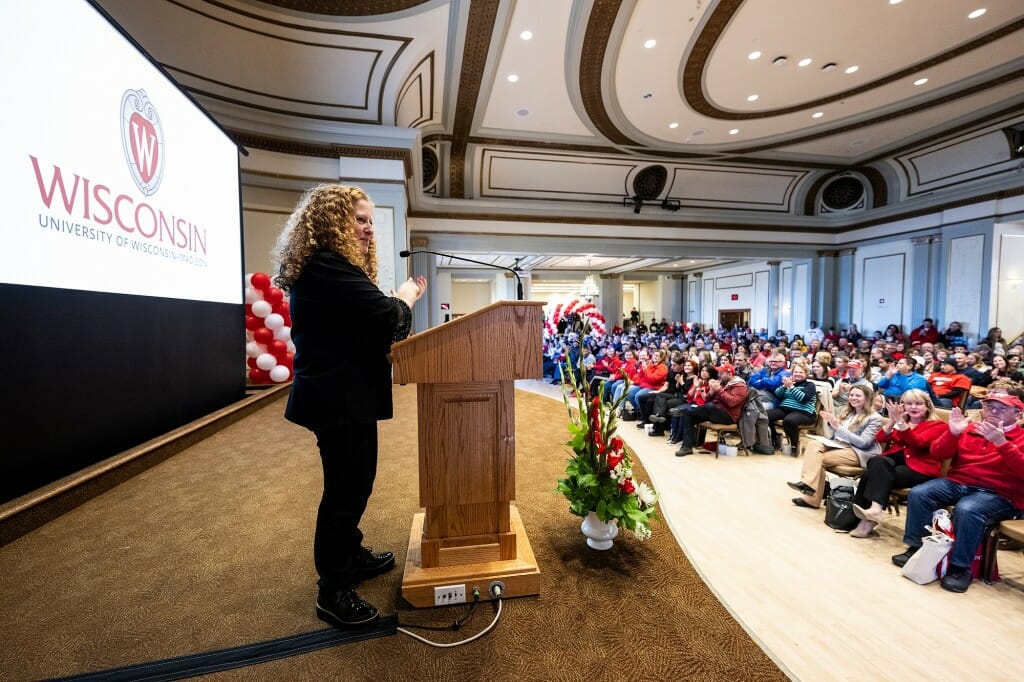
x: 792, y: 420
x: 709, y: 412
x: 348, y: 453
x: 882, y: 475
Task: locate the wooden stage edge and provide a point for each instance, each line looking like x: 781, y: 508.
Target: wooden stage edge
x: 520, y: 575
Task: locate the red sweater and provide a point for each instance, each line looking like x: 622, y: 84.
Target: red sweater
x: 914, y: 444
x: 652, y: 376
x: 977, y: 462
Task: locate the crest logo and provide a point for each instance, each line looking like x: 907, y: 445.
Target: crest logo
x: 142, y: 138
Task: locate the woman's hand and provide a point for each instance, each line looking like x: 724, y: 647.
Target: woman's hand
x: 411, y: 290
x: 831, y: 419
x: 896, y: 411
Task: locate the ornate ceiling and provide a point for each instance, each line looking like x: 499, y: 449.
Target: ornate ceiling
x: 570, y: 125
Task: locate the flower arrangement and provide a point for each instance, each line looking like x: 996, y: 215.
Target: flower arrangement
x: 599, y: 475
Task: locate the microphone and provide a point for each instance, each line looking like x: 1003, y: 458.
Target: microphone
x: 519, y: 280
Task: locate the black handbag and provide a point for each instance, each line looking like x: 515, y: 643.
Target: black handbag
x: 839, y: 509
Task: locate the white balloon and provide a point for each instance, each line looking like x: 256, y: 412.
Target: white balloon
x: 280, y: 374
x: 253, y: 295
x: 248, y: 278
x: 273, y: 320
x: 262, y: 309
x: 266, y: 361
x: 291, y: 346
x: 249, y: 336
x: 254, y: 350
x: 283, y: 334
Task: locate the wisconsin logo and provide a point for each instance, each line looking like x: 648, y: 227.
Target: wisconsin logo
x: 142, y: 138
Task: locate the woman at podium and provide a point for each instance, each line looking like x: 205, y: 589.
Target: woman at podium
x: 327, y: 261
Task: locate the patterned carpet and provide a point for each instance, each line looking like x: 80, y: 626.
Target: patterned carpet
x: 212, y: 549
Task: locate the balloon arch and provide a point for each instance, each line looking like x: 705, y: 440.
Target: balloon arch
x: 585, y: 309
x: 269, y: 349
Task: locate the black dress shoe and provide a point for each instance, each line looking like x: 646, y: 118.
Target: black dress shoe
x: 684, y: 451
x: 344, y: 608
x: 957, y: 579
x: 902, y: 559
x: 801, y: 487
x: 640, y: 425
x: 369, y: 563
x: 799, y: 501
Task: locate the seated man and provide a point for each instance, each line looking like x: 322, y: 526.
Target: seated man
x: 900, y: 379
x: 985, y: 481
x: 725, y: 398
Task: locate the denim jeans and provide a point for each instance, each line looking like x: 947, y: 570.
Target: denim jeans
x: 975, y: 510
x: 634, y: 396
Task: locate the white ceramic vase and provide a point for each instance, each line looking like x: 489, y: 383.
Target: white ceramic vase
x: 599, y: 533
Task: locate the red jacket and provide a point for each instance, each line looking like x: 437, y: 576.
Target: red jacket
x: 731, y: 397
x: 914, y: 444
x: 652, y: 376
x: 977, y: 462
x: 607, y: 366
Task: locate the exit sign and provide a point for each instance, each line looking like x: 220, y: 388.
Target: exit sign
x: 734, y: 297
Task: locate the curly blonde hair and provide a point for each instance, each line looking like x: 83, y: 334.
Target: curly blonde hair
x: 324, y: 219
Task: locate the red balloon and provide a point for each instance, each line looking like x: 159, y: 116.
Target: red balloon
x: 248, y: 309
x: 251, y: 362
x: 253, y: 323
x: 289, y: 361
x: 259, y: 376
x: 260, y: 281
x: 263, y: 335
x: 279, y: 349
x: 282, y: 308
x: 273, y: 295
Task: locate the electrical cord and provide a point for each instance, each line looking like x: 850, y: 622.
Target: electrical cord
x: 455, y: 625
x: 496, y: 591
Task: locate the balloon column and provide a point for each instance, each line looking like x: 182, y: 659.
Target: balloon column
x: 268, y: 332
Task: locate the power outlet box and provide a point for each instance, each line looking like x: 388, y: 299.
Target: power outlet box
x: 450, y: 594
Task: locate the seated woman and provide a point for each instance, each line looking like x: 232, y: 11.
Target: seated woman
x: 820, y: 370
x: 695, y: 397
x: 908, y: 434
x: 617, y: 378
x: 651, y: 376
x: 1000, y: 370
x: 798, y: 404
x: 855, y: 431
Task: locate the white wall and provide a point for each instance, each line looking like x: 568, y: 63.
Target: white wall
x: 1008, y: 279
x: 882, y: 285
x: 470, y: 295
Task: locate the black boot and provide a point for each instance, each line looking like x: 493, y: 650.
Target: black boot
x: 344, y: 608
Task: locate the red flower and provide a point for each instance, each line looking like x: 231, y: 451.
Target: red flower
x: 627, y: 486
x: 616, y: 443
x: 614, y: 459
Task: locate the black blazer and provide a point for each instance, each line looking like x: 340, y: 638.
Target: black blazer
x: 343, y: 327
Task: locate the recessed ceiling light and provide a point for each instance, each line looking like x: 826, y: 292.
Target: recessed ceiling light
x: 895, y: 2
x: 522, y: 112
x: 754, y: 55
x: 734, y: 131
x: 920, y: 81
x: 831, y: 66
x: 804, y: 62
x: 673, y: 125
x: 693, y: 261
x: 852, y: 69
x: 648, y: 95
x: 651, y: 42
x: 752, y: 98
x: 512, y: 78
x: 817, y: 114
x: 779, y: 61
x: 526, y: 35
x: 698, y: 132
x: 977, y: 13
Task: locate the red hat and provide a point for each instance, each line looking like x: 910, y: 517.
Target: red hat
x: 726, y: 367
x: 855, y: 363
x: 1005, y: 399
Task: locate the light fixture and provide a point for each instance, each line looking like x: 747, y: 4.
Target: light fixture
x: 522, y: 112
x: 920, y: 81
x: 650, y: 42
x: 804, y: 62
x: 673, y: 125
x: 512, y: 78
x: 754, y: 55
x: 780, y: 61
x: 977, y: 13
x: 526, y: 35
x: 752, y: 98
x: 852, y: 69
x: 734, y: 131
x: 589, y: 290
x: 895, y: 2
x: 817, y: 114
x: 831, y: 66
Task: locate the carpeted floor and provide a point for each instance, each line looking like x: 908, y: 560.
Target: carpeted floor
x: 212, y: 549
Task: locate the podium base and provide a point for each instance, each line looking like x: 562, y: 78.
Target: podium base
x: 520, y: 575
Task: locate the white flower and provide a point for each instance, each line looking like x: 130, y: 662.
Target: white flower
x: 646, y: 494
x: 642, y: 532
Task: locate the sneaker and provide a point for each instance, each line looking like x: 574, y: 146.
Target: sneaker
x: 344, y: 608
x: 957, y: 579
x: 369, y: 563
x: 902, y: 559
x: 684, y: 451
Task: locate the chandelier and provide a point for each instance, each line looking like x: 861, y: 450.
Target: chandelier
x: 589, y: 291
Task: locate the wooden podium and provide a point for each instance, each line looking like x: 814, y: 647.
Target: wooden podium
x: 470, y: 534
